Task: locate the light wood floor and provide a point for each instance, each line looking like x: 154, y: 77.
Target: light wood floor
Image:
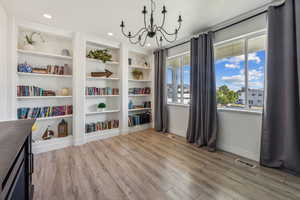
x: 149, y: 165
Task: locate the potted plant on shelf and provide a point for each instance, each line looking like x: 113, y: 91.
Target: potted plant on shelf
x: 101, y: 107
x: 30, y: 41
x: 137, y: 74
x: 100, y: 54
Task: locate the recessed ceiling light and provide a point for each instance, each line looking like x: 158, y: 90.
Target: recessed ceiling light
x: 148, y: 45
x: 110, y: 34
x: 47, y: 16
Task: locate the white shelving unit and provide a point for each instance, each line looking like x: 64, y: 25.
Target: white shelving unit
x: 113, y: 101
x: 43, y: 54
x: 76, y: 78
x: 140, y: 62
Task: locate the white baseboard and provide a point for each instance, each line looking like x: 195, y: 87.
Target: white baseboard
x: 228, y: 148
x: 178, y: 132
x: 100, y: 135
x: 139, y: 128
x: 240, y: 152
x: 52, y: 144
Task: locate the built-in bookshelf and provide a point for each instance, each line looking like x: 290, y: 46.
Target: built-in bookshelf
x: 102, y: 89
x: 139, y: 90
x: 57, y: 72
x: 44, y: 80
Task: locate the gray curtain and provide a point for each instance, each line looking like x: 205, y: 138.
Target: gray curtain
x: 280, y: 146
x: 202, y: 126
x: 160, y: 100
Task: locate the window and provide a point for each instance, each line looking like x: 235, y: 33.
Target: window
x: 240, y: 73
x: 178, y: 79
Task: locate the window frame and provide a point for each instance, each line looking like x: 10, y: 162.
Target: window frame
x: 246, y: 39
x: 181, y: 56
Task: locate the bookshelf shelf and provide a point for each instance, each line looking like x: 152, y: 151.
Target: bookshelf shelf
x: 139, y: 67
x: 133, y: 80
x: 100, y: 96
x: 43, y: 75
x: 139, y: 95
x: 102, y: 78
x: 53, y: 118
x: 40, y: 146
x: 99, y: 61
x: 139, y: 109
x: 102, y: 112
x: 43, y: 54
x: 42, y: 97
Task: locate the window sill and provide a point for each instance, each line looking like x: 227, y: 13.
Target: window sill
x: 178, y: 105
x: 255, y: 112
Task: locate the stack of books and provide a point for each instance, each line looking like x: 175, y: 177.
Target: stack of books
x: 42, y: 112
x: 138, y: 119
x: 99, y: 126
x: 146, y: 90
x: 92, y: 91
x: 23, y: 90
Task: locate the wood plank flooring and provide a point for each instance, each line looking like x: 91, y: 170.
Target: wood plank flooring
x: 150, y: 166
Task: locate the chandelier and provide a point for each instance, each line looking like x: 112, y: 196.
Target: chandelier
x: 152, y: 30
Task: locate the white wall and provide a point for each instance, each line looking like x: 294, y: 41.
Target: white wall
x: 239, y: 132
x: 3, y: 64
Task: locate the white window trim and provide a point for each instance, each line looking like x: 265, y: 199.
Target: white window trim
x: 181, y: 77
x: 245, y: 37
x: 246, y: 111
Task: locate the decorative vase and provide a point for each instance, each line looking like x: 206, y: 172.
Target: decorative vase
x: 28, y: 47
x: 65, y: 92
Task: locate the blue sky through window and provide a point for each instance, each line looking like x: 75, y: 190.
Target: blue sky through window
x: 230, y: 71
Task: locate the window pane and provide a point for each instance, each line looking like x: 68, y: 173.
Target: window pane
x: 173, y: 80
x: 256, y: 67
x: 230, y: 74
x: 186, y: 79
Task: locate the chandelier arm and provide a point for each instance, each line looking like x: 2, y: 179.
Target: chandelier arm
x: 133, y: 42
x: 163, y: 21
x: 166, y: 32
x: 157, y: 41
x: 133, y: 36
x: 143, y: 43
x: 170, y: 41
x: 162, y: 29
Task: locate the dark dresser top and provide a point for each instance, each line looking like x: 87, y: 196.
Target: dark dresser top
x: 12, y: 137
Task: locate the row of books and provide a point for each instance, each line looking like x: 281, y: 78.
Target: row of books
x: 146, y: 104
x: 101, y: 91
x: 50, y: 69
x: 55, y: 69
x: 99, y: 126
x: 43, y: 112
x: 146, y: 90
x: 138, y: 119
x: 23, y: 90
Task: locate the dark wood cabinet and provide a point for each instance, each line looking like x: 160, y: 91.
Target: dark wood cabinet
x: 17, y: 160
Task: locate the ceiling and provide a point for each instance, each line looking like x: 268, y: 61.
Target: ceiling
x: 100, y: 17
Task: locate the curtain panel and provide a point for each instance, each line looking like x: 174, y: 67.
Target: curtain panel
x: 280, y: 143
x: 202, y: 126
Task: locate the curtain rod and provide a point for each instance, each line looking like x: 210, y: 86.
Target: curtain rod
x: 265, y: 9
x: 225, y: 27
